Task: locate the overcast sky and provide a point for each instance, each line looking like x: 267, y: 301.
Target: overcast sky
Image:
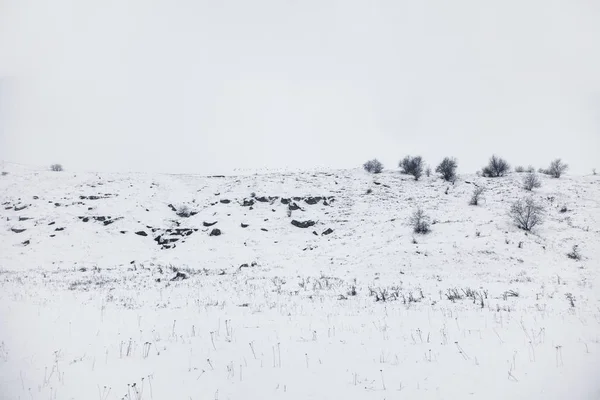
x: 209, y: 86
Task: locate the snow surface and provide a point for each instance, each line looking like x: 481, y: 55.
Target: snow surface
x: 90, y: 311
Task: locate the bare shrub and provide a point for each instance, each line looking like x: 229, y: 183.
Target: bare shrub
x: 519, y: 168
x: 428, y: 171
x: 530, y: 168
x: 420, y: 221
x: 526, y: 213
x: 557, y: 168
x: 477, y: 195
x: 447, y: 168
x: 593, y: 171
x: 412, y: 166
x: 4, y: 173
x: 373, y: 166
x: 531, y: 181
x: 496, y: 167
x: 56, y: 168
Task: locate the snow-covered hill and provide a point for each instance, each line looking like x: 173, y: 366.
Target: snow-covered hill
x: 106, y: 292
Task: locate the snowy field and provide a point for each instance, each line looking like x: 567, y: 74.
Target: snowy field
x: 107, y: 293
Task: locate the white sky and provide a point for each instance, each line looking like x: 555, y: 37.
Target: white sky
x: 209, y: 86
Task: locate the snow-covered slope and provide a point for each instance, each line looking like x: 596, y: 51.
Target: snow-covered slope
x: 106, y: 292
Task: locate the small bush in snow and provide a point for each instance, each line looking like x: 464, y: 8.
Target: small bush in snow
x: 56, y: 167
x: 420, y: 221
x: 4, y: 173
x: 557, y: 168
x: 519, y: 168
x: 530, y: 168
x: 574, y: 254
x: 412, y: 166
x: 531, y: 181
x: 373, y: 166
x: 594, y: 171
x: 447, y: 168
x: 428, y: 171
x: 496, y: 167
x: 476, y: 196
x: 526, y: 213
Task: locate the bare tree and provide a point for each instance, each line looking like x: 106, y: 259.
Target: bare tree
x: 496, y: 167
x: 56, y: 168
x: 373, y: 166
x: 557, y: 168
x: 447, y: 168
x: 419, y: 221
x: 526, y: 213
x: 428, y: 171
x: 519, y: 168
x: 477, y: 195
x: 531, y: 181
x: 412, y: 166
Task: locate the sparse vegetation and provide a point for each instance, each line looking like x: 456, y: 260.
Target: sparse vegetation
x: 530, y: 168
x: 496, y: 167
x: 557, y: 168
x: 531, y: 181
x: 56, y: 167
x: 373, y: 166
x: 477, y: 195
x: 574, y: 254
x: 412, y: 166
x: 519, y: 168
x: 526, y: 213
x: 447, y: 168
x: 428, y: 171
x: 4, y: 173
x: 420, y: 222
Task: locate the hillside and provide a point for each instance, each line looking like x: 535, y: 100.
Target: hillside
x: 106, y: 292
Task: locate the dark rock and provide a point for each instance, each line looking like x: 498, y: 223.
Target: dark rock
x: 141, y: 233
x: 328, y: 231
x: 51, y: 223
x: 244, y: 266
x: 263, y: 229
x: 23, y: 218
x: 16, y: 230
x: 52, y: 235
x: 85, y: 219
x: 100, y: 219
x: 285, y: 201
x: 215, y: 232
x: 315, y: 233
x: 248, y: 203
x: 20, y: 208
x: 172, y: 207
x: 207, y: 224
x: 123, y: 232
x: 36, y: 198
x: 59, y: 229
x: 225, y: 201
x: 302, y: 224
x: 108, y: 222
x: 8, y: 208
x: 244, y: 225
x: 262, y: 199
x: 25, y: 243
x: 377, y: 183
x: 297, y: 198
x: 293, y: 207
